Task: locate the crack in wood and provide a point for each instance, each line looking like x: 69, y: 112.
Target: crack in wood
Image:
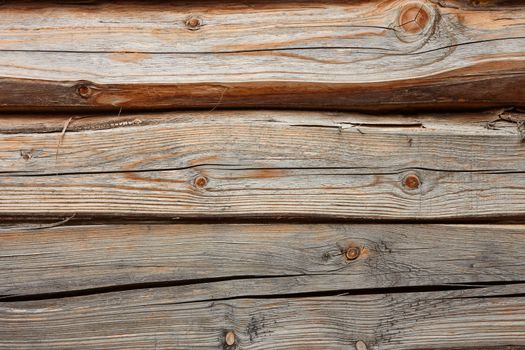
x: 325, y: 293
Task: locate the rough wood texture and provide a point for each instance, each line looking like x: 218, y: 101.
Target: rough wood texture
x: 486, y: 318
x: 265, y: 164
x: 130, y: 282
x: 366, y: 55
x: 271, y: 259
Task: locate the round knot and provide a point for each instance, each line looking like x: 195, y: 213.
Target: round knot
x: 352, y: 253
x: 193, y: 23
x: 229, y: 338
x: 413, y: 18
x: 416, y: 21
x: 200, y: 181
x: 411, y: 182
x: 84, y: 91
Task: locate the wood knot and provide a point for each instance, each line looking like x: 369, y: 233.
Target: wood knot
x: 411, y: 182
x: 193, y: 23
x: 229, y: 338
x: 414, y: 18
x: 352, y: 253
x: 416, y: 21
x: 26, y: 155
x: 360, y: 345
x: 84, y: 91
x: 200, y: 181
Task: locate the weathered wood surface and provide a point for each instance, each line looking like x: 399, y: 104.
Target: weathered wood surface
x: 367, y: 55
x: 336, y: 285
x: 491, y: 318
x: 271, y: 259
x: 265, y: 164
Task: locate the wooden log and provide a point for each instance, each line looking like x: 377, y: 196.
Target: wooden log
x: 366, y: 55
x: 270, y: 259
x: 265, y: 164
x: 491, y: 318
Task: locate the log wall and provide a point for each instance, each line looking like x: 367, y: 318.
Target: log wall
x: 262, y: 175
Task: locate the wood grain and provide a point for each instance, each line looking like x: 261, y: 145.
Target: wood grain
x: 485, y: 318
x: 366, y: 55
x: 270, y: 259
x: 264, y: 164
x: 340, y: 284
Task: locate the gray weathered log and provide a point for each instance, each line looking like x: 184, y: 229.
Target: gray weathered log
x: 264, y: 164
x: 279, y: 258
x: 181, y: 317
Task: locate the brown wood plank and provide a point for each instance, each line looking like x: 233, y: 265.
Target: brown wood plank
x: 367, y: 55
x: 265, y: 164
x: 299, y: 258
x: 490, y: 318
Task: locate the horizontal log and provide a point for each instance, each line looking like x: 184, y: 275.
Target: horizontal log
x: 271, y: 259
x: 366, y: 55
x: 491, y: 318
x: 264, y: 164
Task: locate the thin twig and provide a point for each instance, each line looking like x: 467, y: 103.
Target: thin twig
x: 220, y: 100
x: 40, y: 227
x: 62, y: 135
